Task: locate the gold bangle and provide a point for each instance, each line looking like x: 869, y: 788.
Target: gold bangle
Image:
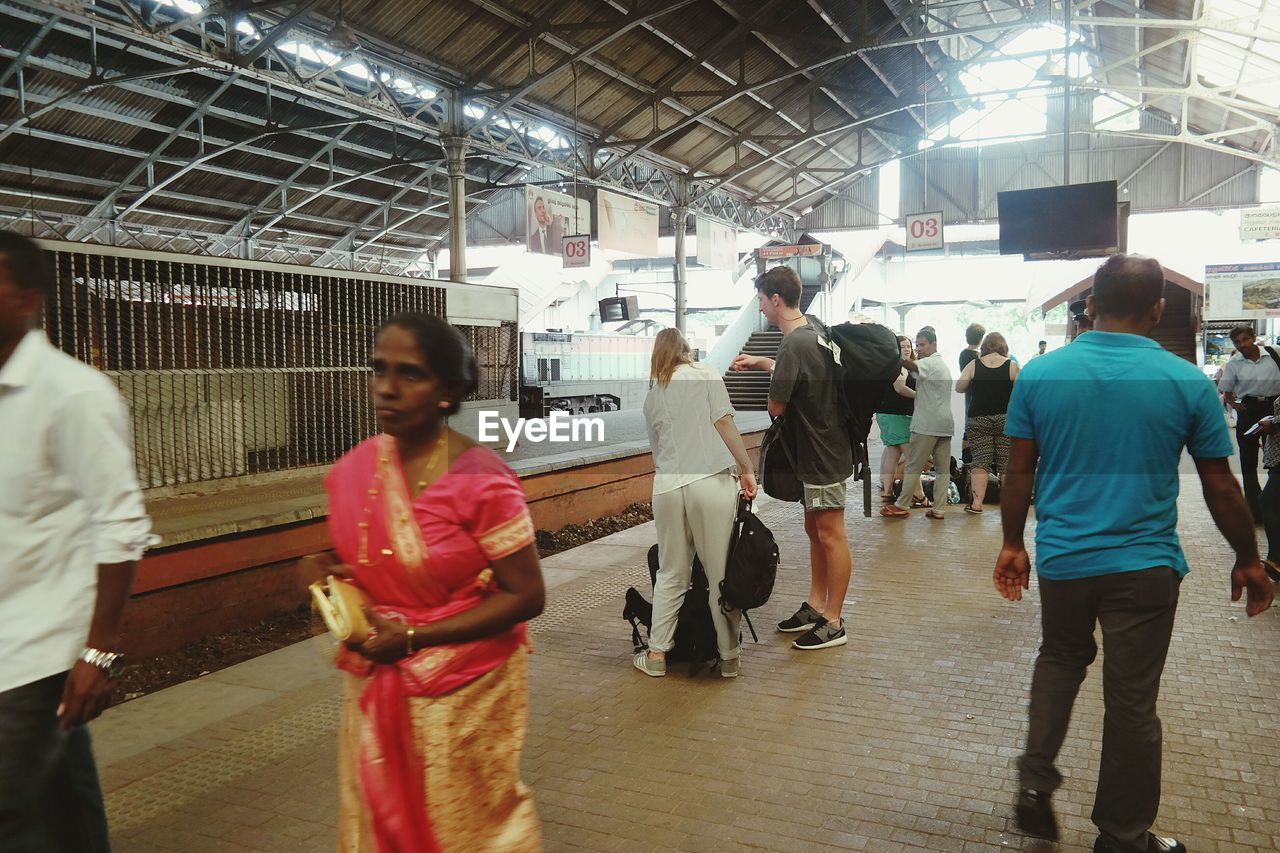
x: 408, y: 642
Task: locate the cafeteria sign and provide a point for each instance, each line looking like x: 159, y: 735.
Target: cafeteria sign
x: 1260, y: 224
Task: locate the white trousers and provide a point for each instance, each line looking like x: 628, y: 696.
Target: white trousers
x: 697, y: 518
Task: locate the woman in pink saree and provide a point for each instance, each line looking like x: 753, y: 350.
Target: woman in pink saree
x: 435, y: 529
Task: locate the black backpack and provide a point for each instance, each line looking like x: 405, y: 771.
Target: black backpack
x: 695, y: 640
x: 870, y: 361
x: 752, y: 566
x: 778, y: 465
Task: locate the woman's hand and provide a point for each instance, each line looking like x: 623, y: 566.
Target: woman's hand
x: 317, y: 567
x: 387, y: 643
x: 749, y: 486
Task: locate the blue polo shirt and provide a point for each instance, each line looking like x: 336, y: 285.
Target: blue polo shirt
x: 1110, y: 415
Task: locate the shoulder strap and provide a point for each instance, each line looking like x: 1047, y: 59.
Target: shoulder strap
x: 1274, y: 355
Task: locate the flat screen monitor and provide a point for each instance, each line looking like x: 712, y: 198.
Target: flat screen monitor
x: 1079, y: 220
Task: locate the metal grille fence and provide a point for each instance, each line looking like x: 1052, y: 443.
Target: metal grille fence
x: 230, y: 371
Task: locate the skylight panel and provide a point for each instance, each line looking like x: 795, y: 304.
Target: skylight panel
x: 187, y: 7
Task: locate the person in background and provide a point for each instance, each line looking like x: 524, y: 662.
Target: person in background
x: 1107, y: 550
x: 973, y: 335
x: 932, y: 427
x: 990, y: 380
x: 1080, y: 319
x: 435, y: 530
x: 73, y: 525
x: 696, y: 446
x: 1250, y: 384
x: 1040, y: 349
x: 894, y: 419
x: 803, y: 388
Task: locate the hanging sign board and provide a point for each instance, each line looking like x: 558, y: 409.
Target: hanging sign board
x: 804, y: 250
x: 1248, y: 291
x: 1260, y: 224
x: 551, y: 215
x: 924, y: 231
x: 627, y: 224
x: 717, y: 244
x: 577, y: 251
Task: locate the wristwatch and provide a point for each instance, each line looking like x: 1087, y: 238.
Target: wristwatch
x: 109, y: 662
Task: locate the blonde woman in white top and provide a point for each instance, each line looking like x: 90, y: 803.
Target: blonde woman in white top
x: 699, y: 460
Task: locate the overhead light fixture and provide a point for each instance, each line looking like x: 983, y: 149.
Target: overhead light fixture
x: 342, y: 37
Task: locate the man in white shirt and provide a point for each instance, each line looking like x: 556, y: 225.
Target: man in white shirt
x: 1250, y: 384
x: 932, y: 427
x: 73, y: 526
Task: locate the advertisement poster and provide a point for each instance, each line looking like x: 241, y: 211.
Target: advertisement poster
x: 550, y: 217
x: 1246, y: 291
x: 717, y: 245
x: 628, y: 224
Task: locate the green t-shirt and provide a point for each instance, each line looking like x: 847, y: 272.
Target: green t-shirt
x: 804, y: 377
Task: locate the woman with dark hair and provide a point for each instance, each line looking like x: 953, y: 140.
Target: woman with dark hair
x: 989, y: 378
x: 894, y: 419
x: 436, y: 532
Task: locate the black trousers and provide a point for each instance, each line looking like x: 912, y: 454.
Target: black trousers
x: 1270, y: 500
x: 1136, y: 611
x: 50, y: 800
x: 1255, y: 409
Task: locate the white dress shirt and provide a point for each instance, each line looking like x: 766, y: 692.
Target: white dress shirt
x: 681, y: 420
x: 1246, y: 378
x: 69, y: 501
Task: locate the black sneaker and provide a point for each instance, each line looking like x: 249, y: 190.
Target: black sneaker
x: 822, y: 636
x: 1155, y: 844
x: 802, y: 620
x: 1035, y: 814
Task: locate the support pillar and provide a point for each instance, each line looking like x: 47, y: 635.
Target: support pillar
x: 680, y: 224
x: 455, y: 149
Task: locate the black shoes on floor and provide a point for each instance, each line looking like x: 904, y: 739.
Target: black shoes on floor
x: 1155, y: 844
x: 1035, y: 814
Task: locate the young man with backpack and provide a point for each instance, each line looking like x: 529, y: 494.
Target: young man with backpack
x: 804, y: 390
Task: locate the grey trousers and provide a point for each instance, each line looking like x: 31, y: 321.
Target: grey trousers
x: 921, y: 449
x: 697, y: 518
x: 1136, y: 611
x: 49, y: 794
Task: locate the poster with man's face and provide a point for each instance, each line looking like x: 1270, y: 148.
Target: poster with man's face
x: 551, y: 217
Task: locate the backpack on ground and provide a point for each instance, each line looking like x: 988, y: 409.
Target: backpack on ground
x: 695, y: 640
x: 870, y: 362
x: 752, y: 566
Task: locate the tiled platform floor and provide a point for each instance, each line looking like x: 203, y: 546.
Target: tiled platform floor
x: 902, y: 740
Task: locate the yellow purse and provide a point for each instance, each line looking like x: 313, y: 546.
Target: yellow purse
x: 341, y: 604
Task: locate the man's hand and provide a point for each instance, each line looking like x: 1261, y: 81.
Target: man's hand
x: 1251, y: 576
x: 743, y: 361
x: 387, y: 643
x: 86, y: 695
x: 1013, y: 572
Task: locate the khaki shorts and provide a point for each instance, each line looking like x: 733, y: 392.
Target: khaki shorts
x: 824, y: 497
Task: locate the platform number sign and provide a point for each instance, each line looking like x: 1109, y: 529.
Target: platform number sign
x: 577, y: 251
x: 924, y: 231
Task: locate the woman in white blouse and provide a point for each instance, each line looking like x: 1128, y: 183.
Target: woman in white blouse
x: 696, y: 446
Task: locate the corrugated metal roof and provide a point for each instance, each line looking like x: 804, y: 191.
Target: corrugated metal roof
x: 693, y: 49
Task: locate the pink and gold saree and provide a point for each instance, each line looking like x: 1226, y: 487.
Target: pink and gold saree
x: 429, y: 747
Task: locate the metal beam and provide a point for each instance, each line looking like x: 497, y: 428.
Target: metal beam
x: 106, y: 207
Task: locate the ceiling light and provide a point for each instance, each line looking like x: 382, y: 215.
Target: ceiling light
x: 342, y: 37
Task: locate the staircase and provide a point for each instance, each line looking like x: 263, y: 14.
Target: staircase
x: 749, y: 389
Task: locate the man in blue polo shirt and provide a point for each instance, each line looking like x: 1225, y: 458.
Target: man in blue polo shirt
x: 1107, y: 549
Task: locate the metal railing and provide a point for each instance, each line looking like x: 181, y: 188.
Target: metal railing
x: 231, y: 370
